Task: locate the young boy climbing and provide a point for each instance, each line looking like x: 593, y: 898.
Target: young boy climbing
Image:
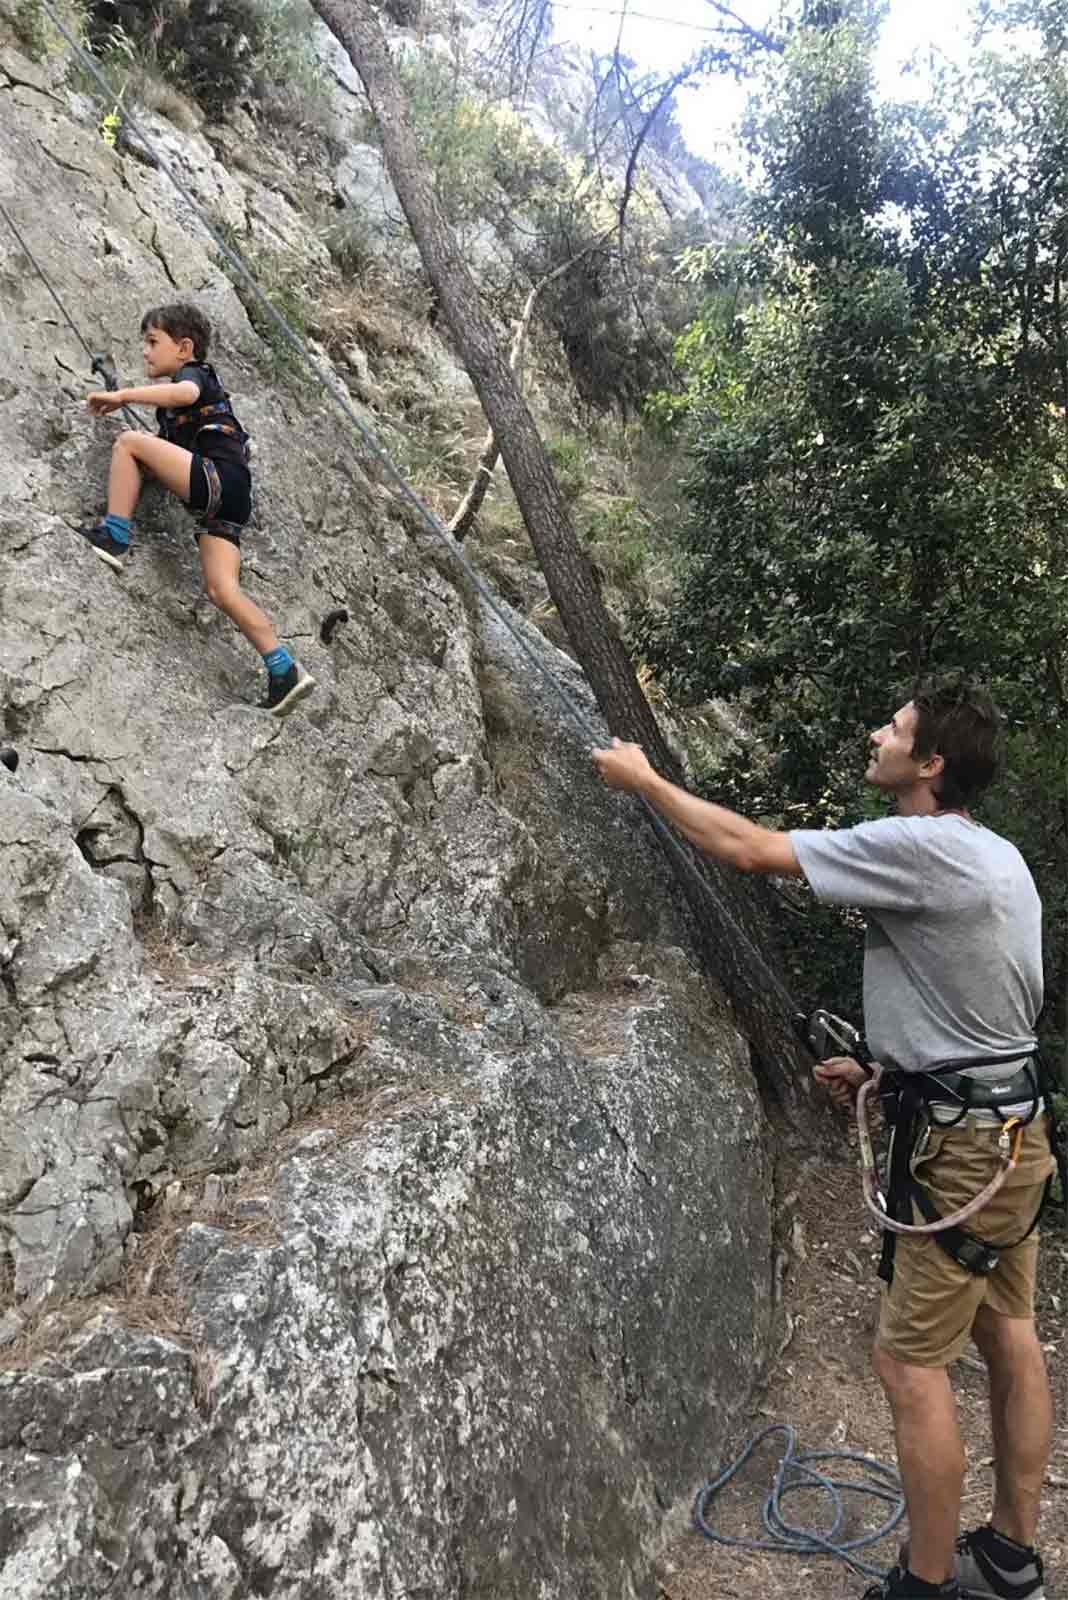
x: 200, y: 455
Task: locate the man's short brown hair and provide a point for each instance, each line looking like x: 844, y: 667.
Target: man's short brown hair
x: 181, y: 321
x: 957, y: 720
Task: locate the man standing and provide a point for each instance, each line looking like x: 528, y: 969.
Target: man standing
x: 952, y: 977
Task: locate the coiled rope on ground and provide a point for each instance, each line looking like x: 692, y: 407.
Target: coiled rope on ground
x: 794, y: 1473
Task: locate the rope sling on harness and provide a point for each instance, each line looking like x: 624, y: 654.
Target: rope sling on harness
x: 906, y: 1096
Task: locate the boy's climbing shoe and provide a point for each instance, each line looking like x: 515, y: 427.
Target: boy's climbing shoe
x: 900, y: 1584
x: 104, y: 546
x: 992, y: 1567
x: 284, y: 689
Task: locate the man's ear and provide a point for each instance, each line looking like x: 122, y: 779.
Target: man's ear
x: 933, y: 767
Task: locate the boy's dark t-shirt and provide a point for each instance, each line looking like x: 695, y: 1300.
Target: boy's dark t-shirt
x: 217, y: 434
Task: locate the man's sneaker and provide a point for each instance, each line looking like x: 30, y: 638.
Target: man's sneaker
x: 899, y: 1584
x: 992, y: 1567
x: 104, y: 546
x: 284, y: 689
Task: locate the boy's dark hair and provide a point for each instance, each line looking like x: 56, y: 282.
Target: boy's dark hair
x: 958, y: 720
x: 181, y: 321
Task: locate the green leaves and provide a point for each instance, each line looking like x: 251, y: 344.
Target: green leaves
x: 874, y: 411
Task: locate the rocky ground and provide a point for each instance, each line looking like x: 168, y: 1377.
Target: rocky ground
x: 823, y: 1386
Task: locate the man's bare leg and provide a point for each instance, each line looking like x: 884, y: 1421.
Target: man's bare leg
x: 930, y: 1458
x: 1021, y: 1417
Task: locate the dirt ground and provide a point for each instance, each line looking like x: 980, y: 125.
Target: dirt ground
x: 822, y: 1384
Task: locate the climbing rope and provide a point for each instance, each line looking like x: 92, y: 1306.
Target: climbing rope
x: 794, y: 1473
x: 97, y: 363
x: 594, y: 735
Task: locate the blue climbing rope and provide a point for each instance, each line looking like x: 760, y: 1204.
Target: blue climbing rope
x: 793, y: 1473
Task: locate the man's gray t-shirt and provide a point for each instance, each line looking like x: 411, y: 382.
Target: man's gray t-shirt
x: 953, y: 958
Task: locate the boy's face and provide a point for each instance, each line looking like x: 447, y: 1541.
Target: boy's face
x: 163, y: 355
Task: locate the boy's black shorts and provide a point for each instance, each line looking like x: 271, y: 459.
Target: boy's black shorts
x: 220, y: 497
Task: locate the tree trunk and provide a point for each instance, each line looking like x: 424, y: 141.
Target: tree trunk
x: 727, y: 930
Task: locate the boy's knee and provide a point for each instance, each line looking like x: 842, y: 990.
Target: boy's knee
x: 125, y: 444
x: 221, y: 591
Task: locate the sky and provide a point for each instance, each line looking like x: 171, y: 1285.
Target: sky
x: 660, y: 34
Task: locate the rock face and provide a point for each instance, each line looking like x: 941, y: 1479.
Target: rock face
x: 473, y: 1353
x: 350, y: 1064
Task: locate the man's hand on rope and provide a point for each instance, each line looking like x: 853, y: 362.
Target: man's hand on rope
x: 841, y: 1076
x: 624, y: 766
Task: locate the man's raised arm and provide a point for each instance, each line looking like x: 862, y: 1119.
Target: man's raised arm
x: 716, y: 831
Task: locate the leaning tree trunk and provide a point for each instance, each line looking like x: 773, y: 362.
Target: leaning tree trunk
x: 726, y: 938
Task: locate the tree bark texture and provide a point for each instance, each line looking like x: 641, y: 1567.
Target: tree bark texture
x: 724, y: 913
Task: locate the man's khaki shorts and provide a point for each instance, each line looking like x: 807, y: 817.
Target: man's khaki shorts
x: 927, y: 1312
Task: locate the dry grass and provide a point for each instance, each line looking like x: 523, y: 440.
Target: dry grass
x: 175, y: 963
x: 358, y: 313
x: 147, y: 1296
x: 167, y: 101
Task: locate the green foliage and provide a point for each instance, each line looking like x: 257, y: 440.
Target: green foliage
x: 283, y: 284
x: 220, y: 52
x: 205, y: 47
x: 571, y: 465
x: 35, y: 31
x: 873, y: 410
x: 486, y: 162
x: 348, y: 240
x: 616, y: 534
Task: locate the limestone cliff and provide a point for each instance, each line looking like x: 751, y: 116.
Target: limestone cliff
x: 384, y: 1203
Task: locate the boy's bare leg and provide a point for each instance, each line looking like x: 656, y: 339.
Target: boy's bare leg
x: 130, y: 454
x: 220, y: 563
x: 930, y: 1457
x: 1021, y: 1416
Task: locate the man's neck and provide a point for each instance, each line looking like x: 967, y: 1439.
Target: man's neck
x: 909, y: 805
x: 917, y: 802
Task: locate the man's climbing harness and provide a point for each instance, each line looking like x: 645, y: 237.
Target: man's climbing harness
x: 945, y: 1096
x: 908, y: 1100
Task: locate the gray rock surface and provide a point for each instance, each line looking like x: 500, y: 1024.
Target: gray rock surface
x: 384, y: 1204
x: 469, y: 1351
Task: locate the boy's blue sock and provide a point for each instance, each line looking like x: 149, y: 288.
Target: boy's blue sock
x: 118, y: 527
x: 278, y: 661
